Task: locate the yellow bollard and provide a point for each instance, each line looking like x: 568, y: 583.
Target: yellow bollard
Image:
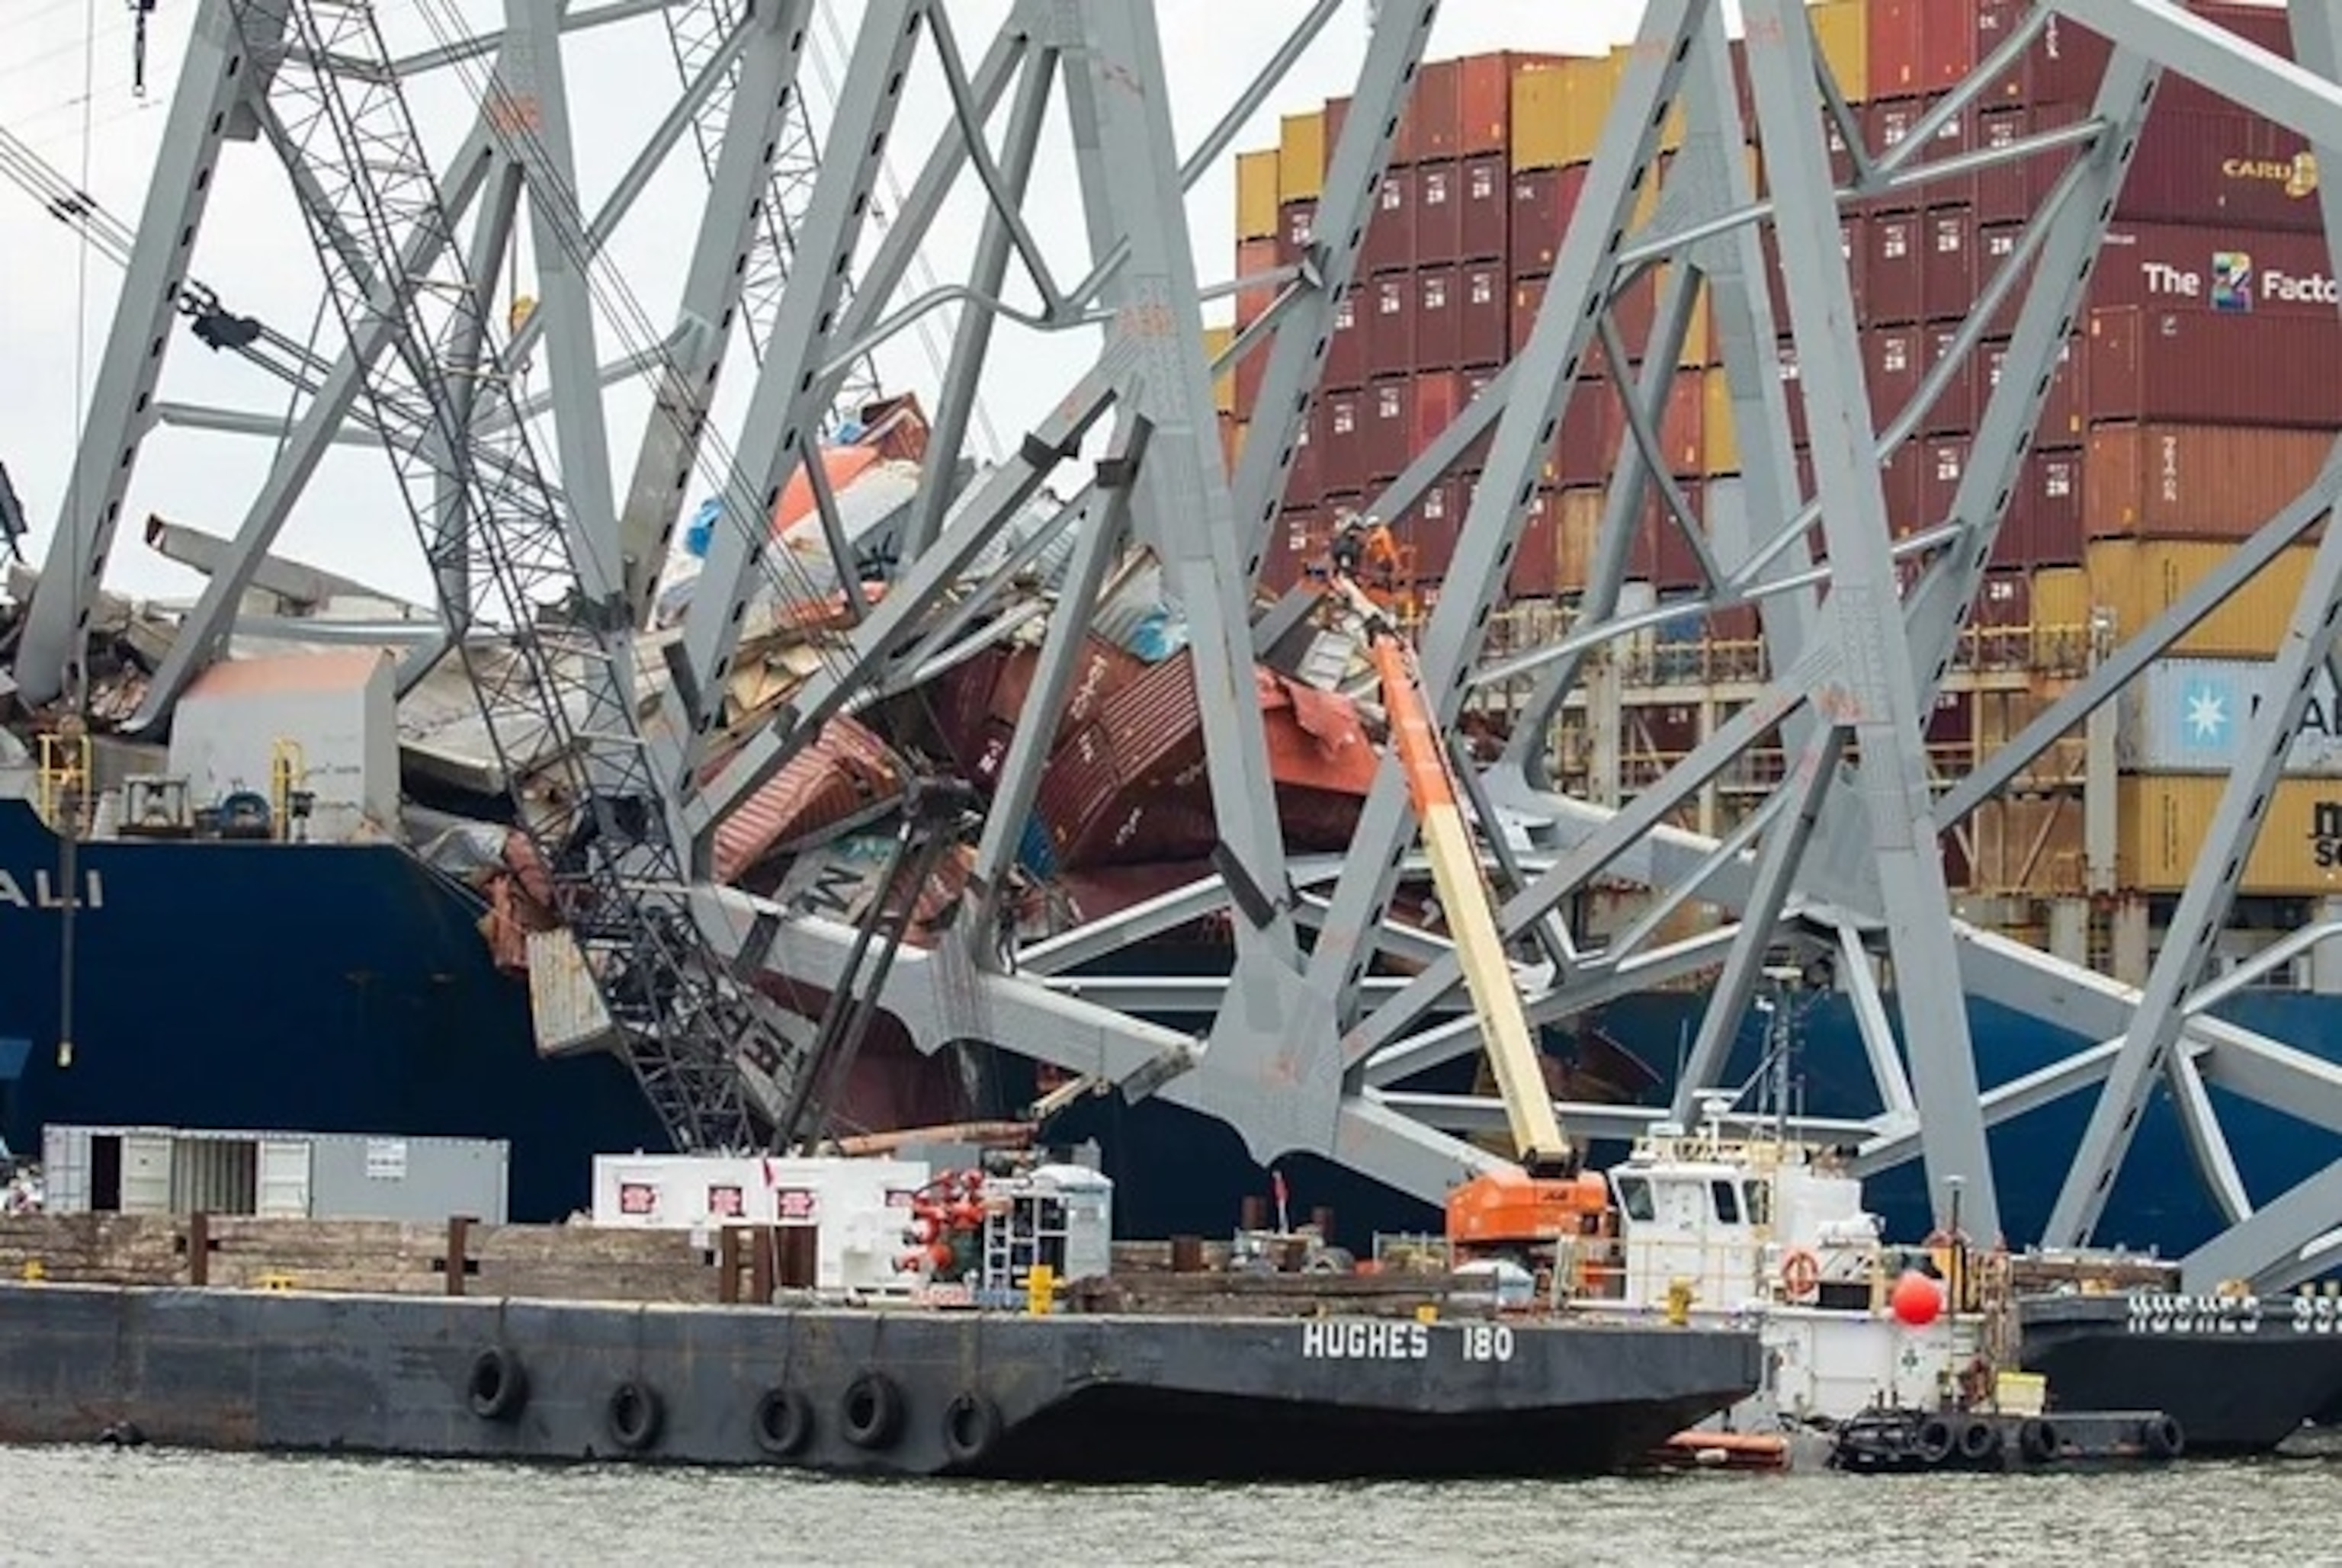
x: 1678, y: 1302
x: 36, y: 1271
x: 1040, y: 1288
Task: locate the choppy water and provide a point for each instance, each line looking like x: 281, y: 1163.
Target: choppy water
x: 95, y: 1506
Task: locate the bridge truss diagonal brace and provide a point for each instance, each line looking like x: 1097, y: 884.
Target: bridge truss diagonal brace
x: 1878, y: 703
x: 2309, y: 641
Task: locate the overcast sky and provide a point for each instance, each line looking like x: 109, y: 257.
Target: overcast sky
x: 73, y: 100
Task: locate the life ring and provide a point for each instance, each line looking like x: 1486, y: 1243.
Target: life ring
x: 971, y: 1427
x: 783, y: 1421
x: 1801, y: 1274
x: 633, y: 1415
x: 498, y: 1386
x: 870, y: 1412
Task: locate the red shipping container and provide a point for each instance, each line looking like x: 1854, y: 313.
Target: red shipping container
x: 1306, y: 481
x: 1898, y: 49
x: 1475, y: 456
x: 1342, y: 455
x: 1906, y: 491
x: 1438, y: 319
x: 1296, y: 231
x: 1955, y: 413
x: 1255, y: 257
x: 1949, y: 280
x: 1893, y: 358
x: 1481, y: 334
x: 1346, y: 355
x: 1887, y: 124
x: 1591, y: 426
x: 1439, y: 214
x: 1390, y: 428
x: 1529, y: 298
x: 1251, y: 371
x: 1485, y: 110
x: 1292, y: 547
x: 1432, y: 125
x: 1427, y: 531
x: 2004, y: 195
x: 1683, y: 427
x: 1667, y: 554
x: 2003, y: 600
x: 1484, y: 210
x: 2175, y: 266
x: 2064, y: 412
x: 1947, y: 42
x: 2066, y: 63
x: 1894, y: 283
x: 1942, y: 461
x: 2190, y: 367
x: 2229, y: 167
x: 1793, y: 394
x: 1542, y: 202
x: 1853, y: 243
x: 1994, y: 248
x: 1439, y: 396
x: 1390, y: 234
x: 1956, y: 136
x: 1535, y: 570
x: 1338, y: 114
x: 1390, y: 324
x: 2043, y: 524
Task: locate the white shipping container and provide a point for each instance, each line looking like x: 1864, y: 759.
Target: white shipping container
x: 859, y: 1208
x: 564, y: 998
x: 339, y: 709
x: 281, y: 1175
x: 2190, y: 716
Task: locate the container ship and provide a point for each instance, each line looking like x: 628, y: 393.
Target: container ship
x: 303, y: 909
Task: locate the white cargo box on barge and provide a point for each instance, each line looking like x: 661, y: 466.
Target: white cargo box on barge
x: 274, y: 1174
x: 857, y: 1208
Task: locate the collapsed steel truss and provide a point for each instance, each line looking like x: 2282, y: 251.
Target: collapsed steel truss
x: 1311, y: 1050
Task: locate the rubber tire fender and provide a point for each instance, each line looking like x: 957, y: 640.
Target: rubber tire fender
x: 497, y: 1386
x: 2162, y: 1438
x: 971, y: 1427
x: 1933, y: 1440
x: 633, y: 1415
x: 783, y: 1422
x: 870, y: 1411
x: 1979, y: 1441
x: 2037, y: 1439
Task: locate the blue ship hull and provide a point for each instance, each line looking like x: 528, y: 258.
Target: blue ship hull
x: 346, y: 989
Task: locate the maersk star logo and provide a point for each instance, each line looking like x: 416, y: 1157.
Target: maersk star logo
x: 2207, y: 716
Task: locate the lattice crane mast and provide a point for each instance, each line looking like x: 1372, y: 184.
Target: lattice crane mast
x: 708, y: 1052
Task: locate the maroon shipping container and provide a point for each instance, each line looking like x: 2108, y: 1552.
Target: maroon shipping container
x: 1894, y: 283
x: 1994, y: 247
x: 1894, y: 359
x: 1898, y: 50
x: 1438, y: 319
x: 2065, y: 64
x: 1662, y: 549
x: 1296, y: 231
x: 2191, y: 367
x: 1542, y: 202
x: 1343, y: 426
x: 1853, y: 243
x: 1591, y: 426
x: 1390, y: 428
x: 1390, y: 324
x: 1485, y: 102
x: 2178, y: 266
x: 1947, y: 265
x: 1475, y: 456
x: 1483, y: 310
x: 1291, y: 546
x: 2064, y: 412
x: 1255, y: 257
x: 1306, y: 481
x: 1529, y: 298
x: 1952, y: 721
x: 2004, y: 601
x: 1683, y: 427
x: 1390, y: 234
x: 1432, y: 125
x: 1906, y: 492
x: 1439, y: 214
x: 1792, y: 393
x: 2203, y: 165
x: 1955, y: 136
x: 1338, y: 114
x: 1438, y: 395
x: 1346, y: 355
x: 2043, y: 524
x: 1956, y: 412
x: 1534, y: 572
x: 1886, y: 124
x: 1942, y: 461
x: 1426, y: 534
x: 1947, y: 44
x: 1485, y: 209
x: 2010, y: 191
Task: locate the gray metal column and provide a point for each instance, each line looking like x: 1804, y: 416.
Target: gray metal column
x: 1877, y: 701
x: 207, y: 109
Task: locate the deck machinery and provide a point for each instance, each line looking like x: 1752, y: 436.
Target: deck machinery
x: 1313, y: 1047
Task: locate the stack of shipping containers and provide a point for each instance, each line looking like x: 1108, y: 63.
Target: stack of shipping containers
x: 2196, y: 399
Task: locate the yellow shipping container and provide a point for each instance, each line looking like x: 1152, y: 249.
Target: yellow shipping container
x: 1678, y: 121
x: 1841, y: 32
x: 1257, y: 182
x: 2061, y: 618
x: 1223, y: 385
x: 1719, y: 452
x: 2162, y: 818
x: 1301, y: 159
x: 1558, y: 111
x: 2139, y: 579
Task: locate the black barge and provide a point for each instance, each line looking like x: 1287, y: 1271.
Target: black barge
x: 909, y: 1392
